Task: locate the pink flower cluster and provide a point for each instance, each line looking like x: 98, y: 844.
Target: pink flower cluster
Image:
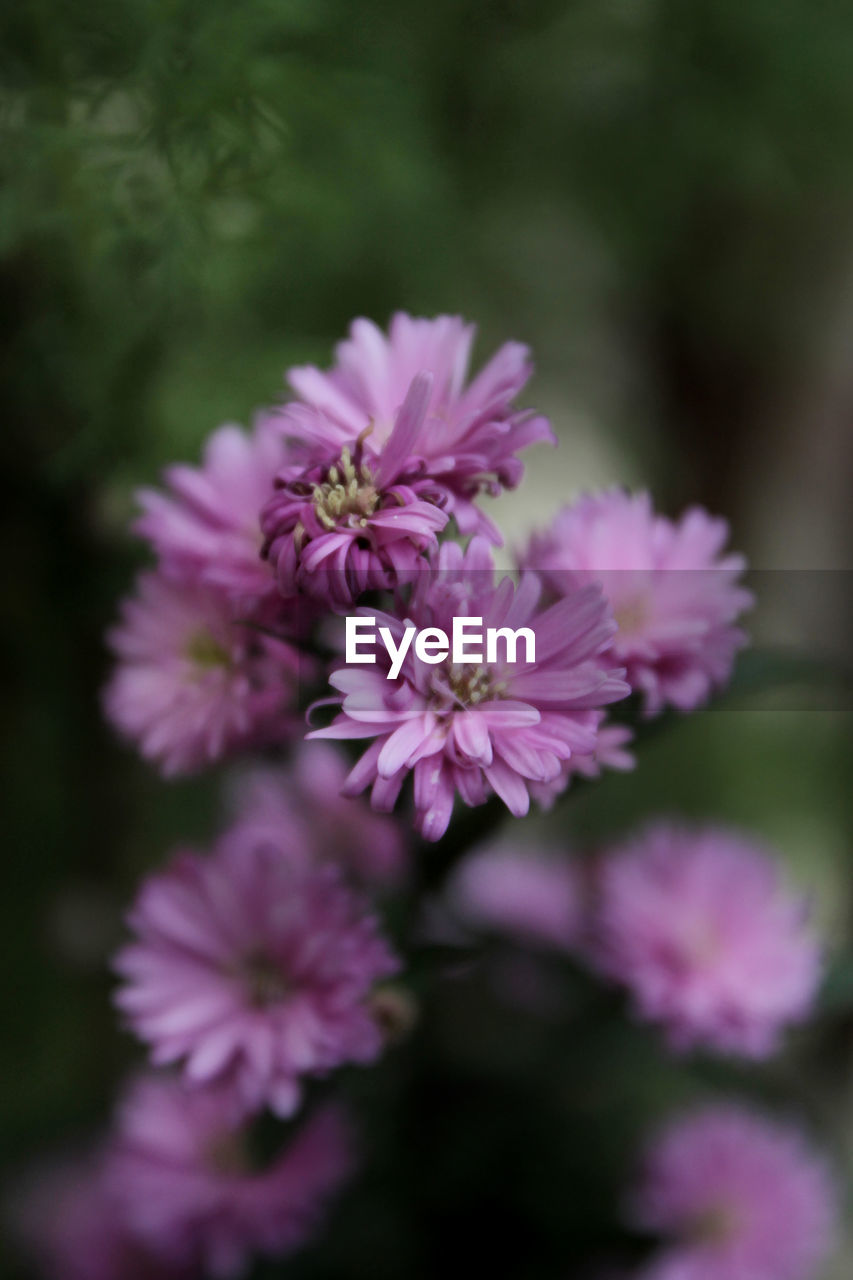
x: 350, y: 487
x: 253, y: 969
x: 261, y: 966
x: 696, y: 924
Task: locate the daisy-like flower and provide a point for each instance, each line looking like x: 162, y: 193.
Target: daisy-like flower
x: 700, y: 928
x: 252, y: 968
x: 205, y: 527
x: 737, y: 1196
x: 66, y: 1220
x: 300, y: 807
x: 194, y: 680
x: 182, y: 1172
x: 356, y: 520
x: 387, y: 445
x: 480, y: 727
x: 675, y: 595
x: 529, y: 894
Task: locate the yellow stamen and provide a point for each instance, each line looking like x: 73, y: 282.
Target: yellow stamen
x: 347, y: 495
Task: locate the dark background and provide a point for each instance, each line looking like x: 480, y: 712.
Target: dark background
x: 658, y: 196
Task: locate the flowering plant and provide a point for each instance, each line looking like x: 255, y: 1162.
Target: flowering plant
x: 269, y: 972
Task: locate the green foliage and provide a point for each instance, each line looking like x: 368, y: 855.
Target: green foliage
x: 188, y: 181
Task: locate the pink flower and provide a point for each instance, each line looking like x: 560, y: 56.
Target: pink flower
x: 610, y: 752
x: 477, y: 728
x: 532, y: 895
x: 300, y: 808
x: 387, y: 446
x: 181, y: 1170
x: 738, y: 1196
x: 709, y: 942
x: 252, y: 968
x: 68, y: 1223
x: 356, y: 520
x: 194, y: 681
x: 206, y: 526
x: 474, y: 432
x: 675, y: 596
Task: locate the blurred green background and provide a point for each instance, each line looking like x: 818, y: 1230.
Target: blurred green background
x: 657, y: 196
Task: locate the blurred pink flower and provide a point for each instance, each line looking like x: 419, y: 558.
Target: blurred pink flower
x: 700, y: 928
x: 193, y: 681
x: 300, y: 806
x: 181, y: 1170
x: 533, y: 895
x: 66, y: 1220
x: 477, y: 728
x: 252, y: 968
x: 737, y: 1196
x: 206, y: 526
x: 675, y: 596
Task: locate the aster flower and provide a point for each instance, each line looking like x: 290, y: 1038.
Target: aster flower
x: 252, y: 968
x: 675, y: 596
x: 738, y: 1196
x: 474, y: 432
x: 65, y: 1219
x: 194, y: 681
x: 359, y: 521
x: 710, y: 943
x: 300, y: 807
x: 477, y: 728
x: 378, y: 481
x: 182, y: 1171
x: 205, y: 527
x: 532, y: 895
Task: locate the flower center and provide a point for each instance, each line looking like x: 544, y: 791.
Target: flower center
x: 470, y: 685
x: 265, y: 983
x: 348, y: 493
x: 204, y: 650
x: 631, y: 615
